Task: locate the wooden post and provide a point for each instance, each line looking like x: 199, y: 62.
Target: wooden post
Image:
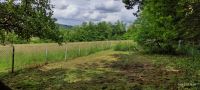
x: 13, y: 58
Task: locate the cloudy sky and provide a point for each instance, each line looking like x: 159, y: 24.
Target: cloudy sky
x: 74, y: 12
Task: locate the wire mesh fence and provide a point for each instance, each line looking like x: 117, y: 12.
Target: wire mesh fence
x: 5, y: 57
x: 37, y: 54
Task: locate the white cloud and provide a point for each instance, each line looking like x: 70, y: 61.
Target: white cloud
x: 74, y: 12
x: 108, y: 6
x: 69, y: 12
x: 112, y: 18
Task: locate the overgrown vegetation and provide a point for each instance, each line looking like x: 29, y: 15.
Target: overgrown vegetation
x: 126, y: 46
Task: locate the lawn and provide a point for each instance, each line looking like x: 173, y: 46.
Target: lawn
x: 109, y: 70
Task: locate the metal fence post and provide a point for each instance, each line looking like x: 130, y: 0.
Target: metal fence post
x: 66, y: 53
x: 46, y: 55
x: 129, y: 47
x: 107, y: 45
x: 13, y: 58
x: 79, y: 50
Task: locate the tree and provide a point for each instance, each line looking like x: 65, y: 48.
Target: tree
x: 30, y: 18
x: 119, y: 29
x: 104, y: 31
x: 95, y: 32
x: 163, y: 23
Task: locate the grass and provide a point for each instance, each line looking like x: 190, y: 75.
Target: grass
x: 125, y: 46
x: 34, y: 54
x: 110, y: 70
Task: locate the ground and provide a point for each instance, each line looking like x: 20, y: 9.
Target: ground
x: 106, y: 70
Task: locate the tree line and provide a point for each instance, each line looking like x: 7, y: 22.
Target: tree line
x: 95, y: 32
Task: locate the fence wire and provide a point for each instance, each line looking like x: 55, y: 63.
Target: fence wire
x: 30, y: 55
x: 5, y: 57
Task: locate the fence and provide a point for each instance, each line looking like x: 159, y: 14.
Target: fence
x: 36, y: 54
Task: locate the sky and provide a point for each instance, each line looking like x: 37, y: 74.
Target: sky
x: 75, y: 12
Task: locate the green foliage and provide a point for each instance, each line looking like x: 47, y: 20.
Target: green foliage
x: 126, y: 46
x: 30, y: 18
x: 95, y: 32
x: 162, y: 24
x: 34, y: 40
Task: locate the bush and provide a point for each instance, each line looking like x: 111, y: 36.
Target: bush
x: 188, y: 50
x: 125, y: 47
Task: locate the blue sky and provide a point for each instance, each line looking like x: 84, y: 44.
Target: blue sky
x: 74, y: 12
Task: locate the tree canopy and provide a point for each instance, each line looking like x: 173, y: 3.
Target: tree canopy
x: 30, y: 18
x: 162, y: 24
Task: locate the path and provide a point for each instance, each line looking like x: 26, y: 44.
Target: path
x: 106, y: 70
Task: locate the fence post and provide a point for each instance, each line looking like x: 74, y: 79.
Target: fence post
x: 107, y: 45
x: 111, y: 44
x: 79, y: 50
x: 179, y: 43
x: 129, y: 47
x: 66, y: 53
x: 193, y: 53
x: 13, y: 58
x: 46, y: 55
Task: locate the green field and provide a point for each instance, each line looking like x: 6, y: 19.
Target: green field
x: 106, y: 65
x: 37, y: 54
x: 109, y: 70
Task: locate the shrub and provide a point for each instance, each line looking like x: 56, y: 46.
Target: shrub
x: 125, y: 47
x: 189, y: 50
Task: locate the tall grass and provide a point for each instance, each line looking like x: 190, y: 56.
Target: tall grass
x: 126, y: 46
x: 34, y: 54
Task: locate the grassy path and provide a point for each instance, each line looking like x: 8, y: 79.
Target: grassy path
x: 95, y: 59
x: 106, y: 70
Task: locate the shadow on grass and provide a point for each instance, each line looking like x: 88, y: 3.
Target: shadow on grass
x: 129, y: 72
x: 34, y: 79
x: 4, y: 87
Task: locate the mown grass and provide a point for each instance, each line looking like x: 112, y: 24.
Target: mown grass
x: 111, y: 70
x: 185, y: 66
x: 34, y: 54
x: 108, y: 70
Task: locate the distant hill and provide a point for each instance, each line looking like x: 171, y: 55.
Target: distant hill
x: 64, y: 26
